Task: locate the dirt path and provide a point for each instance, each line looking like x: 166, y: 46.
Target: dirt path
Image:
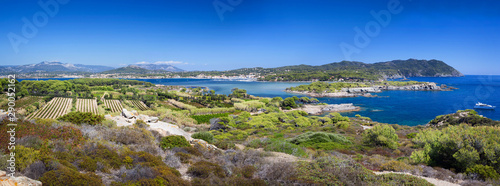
x: 430, y: 180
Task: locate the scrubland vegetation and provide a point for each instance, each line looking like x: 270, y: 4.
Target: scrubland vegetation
x: 259, y: 142
x: 325, y: 87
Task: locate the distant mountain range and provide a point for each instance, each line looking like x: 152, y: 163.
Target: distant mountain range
x: 164, y: 67
x: 344, y: 70
x: 45, y: 67
x: 332, y: 71
x: 59, y: 67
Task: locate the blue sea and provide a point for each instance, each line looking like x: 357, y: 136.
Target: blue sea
x: 394, y: 107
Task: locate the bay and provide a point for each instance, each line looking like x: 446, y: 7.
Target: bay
x: 394, y: 107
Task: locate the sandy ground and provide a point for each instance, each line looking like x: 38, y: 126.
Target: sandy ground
x: 163, y: 128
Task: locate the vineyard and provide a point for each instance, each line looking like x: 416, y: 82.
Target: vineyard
x: 114, y: 105
x: 181, y: 105
x: 139, y: 104
x: 86, y: 105
x: 22, y: 103
x: 53, y: 109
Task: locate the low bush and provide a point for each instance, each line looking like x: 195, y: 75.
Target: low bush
x: 35, y: 170
x: 183, y: 157
x: 320, y: 140
x: 279, y: 173
x: 141, y: 124
x: 397, y: 166
x: 169, y: 142
x: 206, y: 118
x: 171, y: 160
x: 67, y: 176
x: 483, y: 172
x: 203, y: 169
x: 381, y: 135
x: 278, y: 145
x: 459, y: 147
x: 225, y: 145
x: 247, y: 171
x: 88, y: 164
x: 333, y: 170
x: 207, y: 136
x: 402, y: 179
x: 25, y: 156
x: 82, y: 117
x: 128, y: 136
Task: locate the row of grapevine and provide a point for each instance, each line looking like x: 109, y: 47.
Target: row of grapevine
x: 181, y: 105
x: 53, y: 109
x: 114, y: 105
x: 86, y: 105
x: 204, y: 111
x: 139, y: 104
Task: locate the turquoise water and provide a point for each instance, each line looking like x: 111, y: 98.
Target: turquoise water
x: 395, y: 107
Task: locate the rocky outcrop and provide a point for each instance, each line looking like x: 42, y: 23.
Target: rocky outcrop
x: 203, y: 144
x: 365, y: 91
x: 14, y: 181
x: 320, y: 109
x: 215, y: 124
x: 127, y: 114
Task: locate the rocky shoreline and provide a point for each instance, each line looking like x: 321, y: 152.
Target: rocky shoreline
x: 366, y: 91
x: 320, y: 109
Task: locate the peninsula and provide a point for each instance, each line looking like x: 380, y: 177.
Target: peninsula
x: 349, y: 89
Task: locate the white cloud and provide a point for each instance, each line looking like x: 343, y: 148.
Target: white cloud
x: 142, y: 62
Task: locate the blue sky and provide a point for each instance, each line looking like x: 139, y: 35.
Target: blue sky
x: 192, y: 35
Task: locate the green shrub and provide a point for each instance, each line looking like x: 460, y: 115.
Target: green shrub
x: 278, y: 145
x: 66, y: 176
x: 484, y: 172
x: 184, y: 157
x: 88, y: 164
x: 397, y: 166
x: 343, y: 125
x: 3, y: 160
x: 207, y: 136
x: 109, y: 123
x: 381, y: 135
x: 82, y: 117
x: 402, y: 179
x: 320, y: 140
x: 225, y: 145
x: 332, y: 170
x: 336, y: 117
x: 206, y: 118
x: 411, y: 135
x: 170, y: 175
x: 469, y: 117
x: 247, y: 171
x: 169, y: 142
x: 459, y: 147
x: 203, y: 169
x: 141, y: 124
x: 25, y: 156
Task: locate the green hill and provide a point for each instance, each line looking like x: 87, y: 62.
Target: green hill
x: 345, y: 70
x: 132, y: 69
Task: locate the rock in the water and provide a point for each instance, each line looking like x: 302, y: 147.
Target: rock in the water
x: 14, y: 181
